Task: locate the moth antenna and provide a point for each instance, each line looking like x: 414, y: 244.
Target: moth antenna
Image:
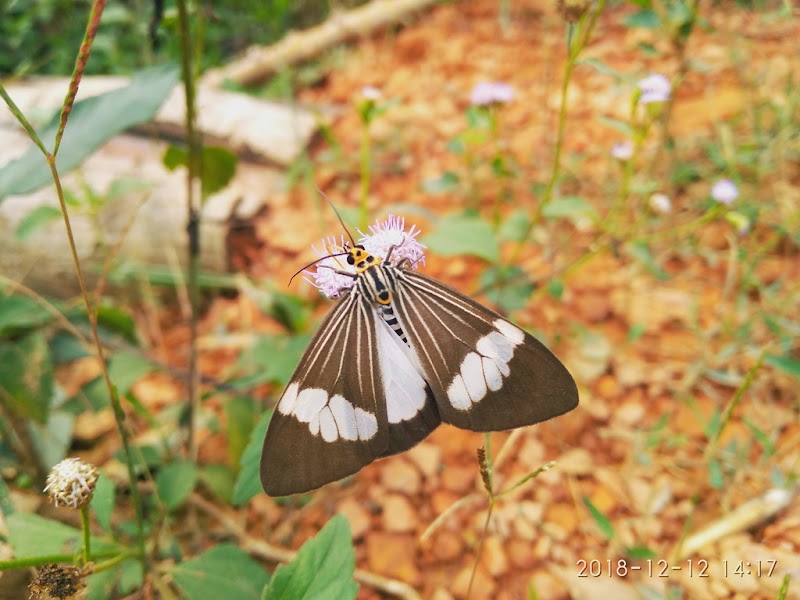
x: 311, y: 264
x: 338, y: 216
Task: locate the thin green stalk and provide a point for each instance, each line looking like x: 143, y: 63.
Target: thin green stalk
x: 574, y: 49
x: 119, y: 414
x: 193, y: 173
x: 737, y: 398
x: 80, y: 65
x: 363, y: 213
x: 87, y: 536
x: 37, y: 561
x: 22, y: 120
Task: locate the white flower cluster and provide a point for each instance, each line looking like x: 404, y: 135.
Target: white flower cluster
x: 383, y: 236
x: 71, y: 483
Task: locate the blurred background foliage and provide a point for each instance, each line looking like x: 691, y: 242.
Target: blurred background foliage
x: 35, y: 36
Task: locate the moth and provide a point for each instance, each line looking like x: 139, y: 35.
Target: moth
x: 397, y: 355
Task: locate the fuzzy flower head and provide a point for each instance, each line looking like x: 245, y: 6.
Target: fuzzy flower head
x: 725, y: 192
x: 391, y: 234
x: 71, y: 483
x: 622, y: 151
x: 488, y: 93
x: 369, y: 92
x: 383, y: 236
x: 660, y: 203
x: 56, y: 581
x: 654, y: 88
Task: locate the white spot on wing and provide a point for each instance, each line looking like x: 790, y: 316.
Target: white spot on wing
x: 366, y: 423
x: 472, y: 373
x: 514, y: 334
x: 309, y: 402
x: 286, y: 405
x: 327, y: 425
x: 333, y: 418
x: 484, y: 370
x: 345, y: 417
x: 458, y: 395
x: 494, y: 378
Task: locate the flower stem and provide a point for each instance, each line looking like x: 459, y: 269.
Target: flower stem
x: 363, y: 215
x: 86, y: 533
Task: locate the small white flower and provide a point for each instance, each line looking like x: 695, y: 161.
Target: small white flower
x: 369, y: 92
x: 382, y: 236
x: 655, y: 88
x: 71, y: 483
x: 486, y: 93
x: 622, y: 150
x: 725, y: 192
x: 660, y: 203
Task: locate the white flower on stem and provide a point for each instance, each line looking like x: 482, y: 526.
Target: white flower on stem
x: 369, y: 92
x: 654, y: 88
x: 725, y: 192
x: 386, y: 234
x: 622, y: 151
x: 486, y: 93
x: 660, y: 203
x: 71, y: 483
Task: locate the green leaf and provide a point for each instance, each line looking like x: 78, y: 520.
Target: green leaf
x: 639, y: 553
x: 91, y: 124
x: 100, y: 585
x: 92, y: 395
x: 35, y: 220
x: 571, y: 207
x: 64, y: 348
x: 786, y: 364
x: 715, y: 477
x: 116, y: 320
x: 322, y: 569
x: 220, y: 479
x: 175, y: 482
x: 273, y: 358
x: 647, y: 19
x: 52, y: 439
x: 103, y: 501
x: 460, y: 234
x: 515, y: 227
x: 18, y: 313
x: 126, y: 368
x: 606, y: 528
x: 640, y: 251
x: 445, y: 184
x: 6, y: 502
x: 622, y: 126
x: 131, y: 576
x: 241, y: 414
x: 219, y: 165
x: 31, y: 535
x: 248, y: 483
x: 508, y: 287
x: 601, y: 67
x: 555, y: 287
x: 221, y: 573
x: 291, y: 311
x: 26, y: 376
